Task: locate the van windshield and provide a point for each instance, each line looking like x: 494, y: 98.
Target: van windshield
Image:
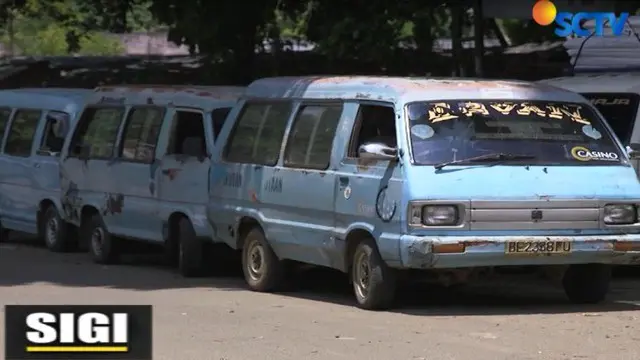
x: 547, y: 132
x: 619, y: 109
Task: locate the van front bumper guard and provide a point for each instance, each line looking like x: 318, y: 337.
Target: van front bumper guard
x: 428, y: 252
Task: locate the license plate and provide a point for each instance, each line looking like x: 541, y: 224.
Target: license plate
x: 537, y: 247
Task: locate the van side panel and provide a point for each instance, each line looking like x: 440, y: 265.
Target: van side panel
x: 20, y: 172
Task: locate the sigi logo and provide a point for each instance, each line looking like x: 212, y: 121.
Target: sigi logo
x: 78, y: 332
x: 581, y: 153
x: 545, y: 13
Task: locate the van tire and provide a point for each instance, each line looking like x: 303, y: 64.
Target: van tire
x: 262, y: 269
x: 190, y: 250
x: 104, y: 247
x: 54, y: 231
x: 587, y: 283
x: 374, y: 283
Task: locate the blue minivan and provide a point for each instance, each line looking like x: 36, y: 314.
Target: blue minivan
x: 384, y: 177
x: 135, y: 167
x: 33, y: 125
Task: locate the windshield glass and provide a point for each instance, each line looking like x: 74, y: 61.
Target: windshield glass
x: 619, y: 109
x: 549, y: 132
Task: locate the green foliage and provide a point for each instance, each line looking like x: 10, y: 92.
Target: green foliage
x: 100, y: 44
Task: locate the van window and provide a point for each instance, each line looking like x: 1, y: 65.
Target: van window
x: 23, y: 128
x: 5, y: 114
x: 547, y: 132
x: 619, y: 109
x: 141, y: 134
x: 374, y: 123
x: 187, y: 134
x: 97, y: 131
x: 52, y: 137
x: 258, y: 133
x: 311, y: 137
x: 218, y: 116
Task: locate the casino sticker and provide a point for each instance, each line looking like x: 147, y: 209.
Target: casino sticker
x: 581, y: 153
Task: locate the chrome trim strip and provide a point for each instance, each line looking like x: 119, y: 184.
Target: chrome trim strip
x: 548, y: 225
x: 524, y: 215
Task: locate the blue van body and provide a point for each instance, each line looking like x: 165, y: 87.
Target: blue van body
x: 465, y: 174
x: 34, y: 122
x: 138, y: 164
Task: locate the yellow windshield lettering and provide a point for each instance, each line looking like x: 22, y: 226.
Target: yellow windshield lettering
x: 527, y: 109
x: 470, y: 108
x: 441, y: 112
x: 554, y: 112
x: 503, y: 108
x: 575, y: 114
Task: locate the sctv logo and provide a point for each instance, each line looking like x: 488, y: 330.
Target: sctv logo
x: 545, y: 13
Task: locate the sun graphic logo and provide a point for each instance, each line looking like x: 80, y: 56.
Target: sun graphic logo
x: 544, y: 12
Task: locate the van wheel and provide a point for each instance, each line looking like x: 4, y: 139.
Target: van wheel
x: 190, y: 250
x: 374, y: 283
x: 587, y: 283
x: 103, y: 246
x: 262, y: 269
x: 54, y: 231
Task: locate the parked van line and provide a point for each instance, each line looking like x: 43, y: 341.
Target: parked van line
x: 33, y: 124
x: 617, y: 97
x: 376, y: 175
x: 136, y: 167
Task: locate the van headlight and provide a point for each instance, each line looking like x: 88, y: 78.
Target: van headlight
x: 620, y: 214
x: 440, y: 215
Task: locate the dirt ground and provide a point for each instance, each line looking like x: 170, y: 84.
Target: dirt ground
x: 216, y: 318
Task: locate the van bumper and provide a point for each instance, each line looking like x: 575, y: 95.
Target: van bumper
x: 423, y: 252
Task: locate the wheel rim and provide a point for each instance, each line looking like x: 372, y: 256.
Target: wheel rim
x: 255, y: 261
x: 97, y: 240
x: 51, y: 232
x: 361, y: 274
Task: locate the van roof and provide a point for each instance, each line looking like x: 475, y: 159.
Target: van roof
x: 52, y: 92
x: 403, y: 89
x: 598, y: 83
x: 216, y: 92
x: 205, y: 98
x: 59, y: 99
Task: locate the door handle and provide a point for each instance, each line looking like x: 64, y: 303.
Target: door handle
x: 343, y: 182
x: 170, y: 171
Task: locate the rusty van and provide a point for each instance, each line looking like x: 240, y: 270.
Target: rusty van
x: 33, y: 126
x: 136, y: 165
x: 384, y: 177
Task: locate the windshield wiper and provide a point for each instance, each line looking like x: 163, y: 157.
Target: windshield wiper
x: 487, y: 157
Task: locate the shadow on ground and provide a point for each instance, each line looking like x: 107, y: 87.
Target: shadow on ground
x: 24, y: 262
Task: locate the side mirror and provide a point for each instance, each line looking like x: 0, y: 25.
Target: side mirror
x: 377, y: 151
x: 633, y: 151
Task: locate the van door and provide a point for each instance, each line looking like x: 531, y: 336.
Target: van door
x: 296, y: 192
x: 183, y: 182
x: 620, y: 111
x: 86, y: 170
x: 134, y: 169
x: 368, y: 194
x: 19, y: 172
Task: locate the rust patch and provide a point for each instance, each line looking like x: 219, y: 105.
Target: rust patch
x: 253, y: 196
x: 113, y: 204
x: 364, y: 164
x: 477, y: 243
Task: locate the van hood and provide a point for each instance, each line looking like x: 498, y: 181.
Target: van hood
x: 501, y: 182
